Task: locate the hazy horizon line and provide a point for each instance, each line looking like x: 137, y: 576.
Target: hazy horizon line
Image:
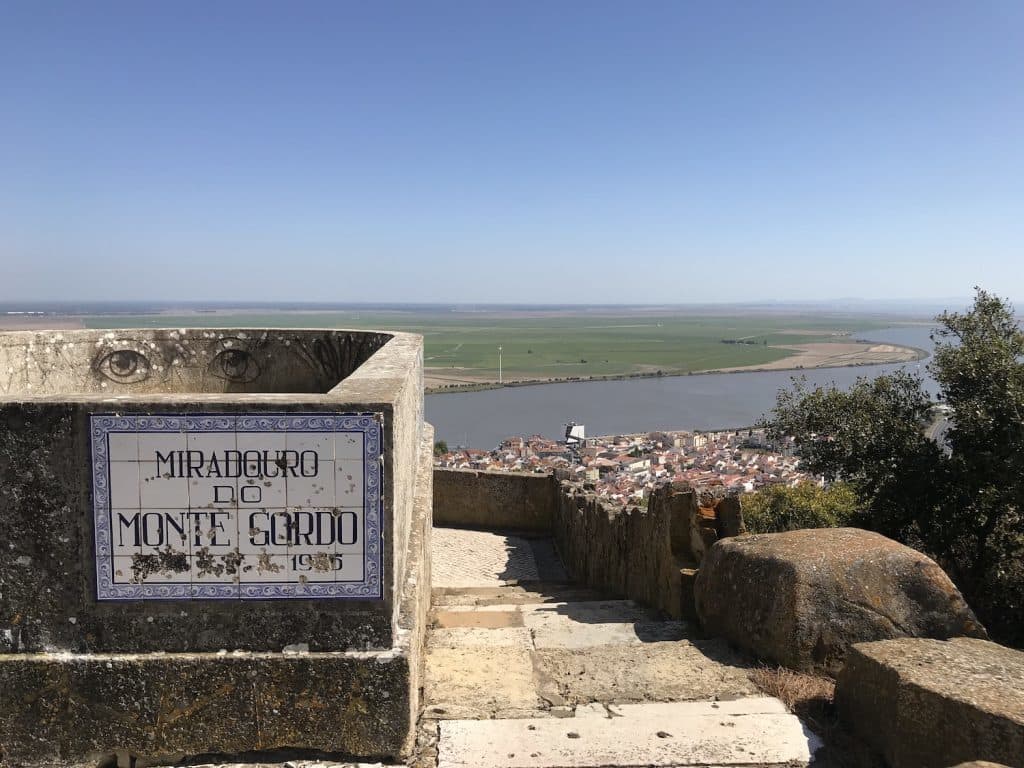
x: 234, y: 303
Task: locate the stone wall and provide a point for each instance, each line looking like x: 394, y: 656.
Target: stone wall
x: 82, y: 708
x: 393, y: 377
x: 650, y: 554
x: 414, y: 605
x: 518, y: 501
x: 625, y: 550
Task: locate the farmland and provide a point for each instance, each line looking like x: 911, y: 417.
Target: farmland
x: 461, y: 348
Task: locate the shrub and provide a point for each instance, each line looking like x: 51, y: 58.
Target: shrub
x: 778, y: 508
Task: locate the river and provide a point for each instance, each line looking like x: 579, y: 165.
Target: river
x: 708, y: 401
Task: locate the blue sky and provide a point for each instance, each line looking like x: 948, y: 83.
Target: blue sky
x: 510, y: 152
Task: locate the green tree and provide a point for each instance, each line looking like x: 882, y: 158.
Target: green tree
x: 786, y: 508
x: 440, y: 448
x: 962, y: 507
x: 979, y: 364
x: 872, y: 437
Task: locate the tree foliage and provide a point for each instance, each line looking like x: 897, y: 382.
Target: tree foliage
x: 963, y: 506
x: 440, y: 448
x: 778, y: 508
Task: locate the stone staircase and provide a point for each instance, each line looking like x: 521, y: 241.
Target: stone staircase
x: 526, y: 670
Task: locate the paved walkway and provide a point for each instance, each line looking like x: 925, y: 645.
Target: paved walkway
x: 526, y: 670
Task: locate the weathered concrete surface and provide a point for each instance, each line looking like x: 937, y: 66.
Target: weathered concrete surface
x: 150, y: 361
x: 567, y: 625
x: 58, y: 708
x: 480, y: 681
x: 709, y: 733
x: 47, y: 568
x: 293, y: 764
x: 393, y: 378
x: 927, y: 702
x: 511, y: 595
x: 802, y: 598
x: 515, y: 501
x: 414, y: 605
x: 599, y: 623
x: 685, y: 670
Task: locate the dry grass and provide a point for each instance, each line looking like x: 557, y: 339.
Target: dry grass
x: 811, y: 698
x: 797, y: 691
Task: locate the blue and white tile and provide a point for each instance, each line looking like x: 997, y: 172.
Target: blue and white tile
x: 348, y: 445
x: 123, y: 446
x: 315, y: 491
x: 124, y: 485
x: 212, y: 493
x: 165, y: 443
x: 348, y: 484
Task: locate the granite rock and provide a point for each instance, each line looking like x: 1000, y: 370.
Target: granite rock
x: 802, y: 598
x: 922, y: 702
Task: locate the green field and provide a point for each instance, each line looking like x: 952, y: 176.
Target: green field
x: 557, y: 346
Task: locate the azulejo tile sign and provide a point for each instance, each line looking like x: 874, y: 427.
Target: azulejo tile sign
x: 227, y: 507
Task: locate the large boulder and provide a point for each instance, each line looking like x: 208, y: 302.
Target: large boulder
x: 932, y: 703
x: 802, y: 598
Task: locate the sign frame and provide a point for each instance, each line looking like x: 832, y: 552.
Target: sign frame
x: 368, y: 424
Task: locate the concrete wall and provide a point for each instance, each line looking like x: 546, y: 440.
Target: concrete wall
x: 165, y: 361
x: 393, y: 379
x: 496, y: 500
x: 48, y: 566
x: 81, y: 709
x: 92, y: 658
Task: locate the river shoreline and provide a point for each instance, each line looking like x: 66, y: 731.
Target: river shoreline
x: 919, y: 355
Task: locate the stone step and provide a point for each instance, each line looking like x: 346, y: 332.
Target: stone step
x: 526, y: 592
x: 288, y: 764
x: 511, y: 680
x: 554, y: 625
x: 746, y: 732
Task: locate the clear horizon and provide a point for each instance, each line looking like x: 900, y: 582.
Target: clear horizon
x: 456, y: 153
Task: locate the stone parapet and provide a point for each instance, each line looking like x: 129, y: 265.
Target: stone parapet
x: 518, y: 501
x: 624, y: 550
